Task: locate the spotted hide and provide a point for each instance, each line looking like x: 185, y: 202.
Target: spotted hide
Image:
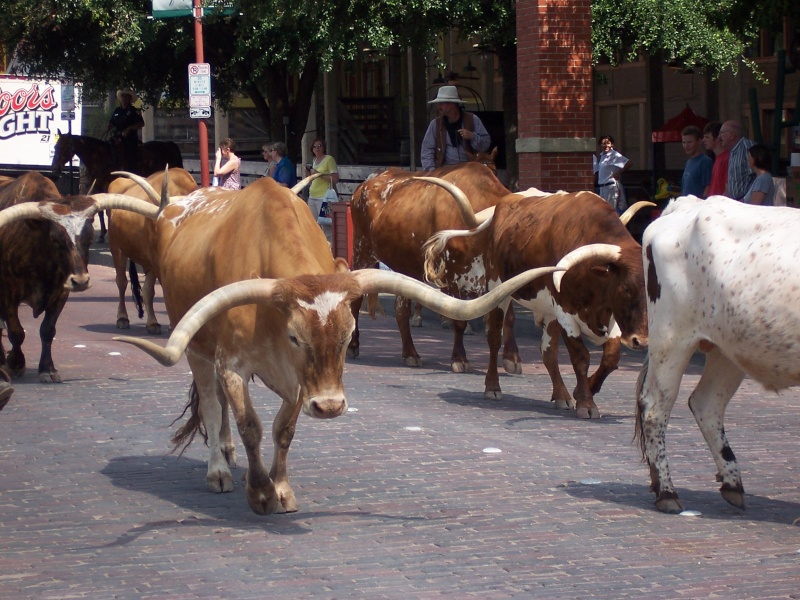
x: 394, y: 214
x: 601, y: 300
x: 722, y: 278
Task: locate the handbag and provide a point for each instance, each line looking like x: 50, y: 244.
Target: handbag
x: 325, y: 210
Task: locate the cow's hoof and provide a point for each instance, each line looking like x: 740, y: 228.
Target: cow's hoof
x: 123, y: 323
x: 733, y: 497
x: 352, y: 353
x: 220, y: 481
x: 461, y: 366
x: 492, y: 395
x: 262, y: 502
x: 154, y: 329
x: 512, y: 367
x: 288, y: 501
x: 669, y: 504
x: 416, y: 321
x: 412, y: 361
x: 584, y: 412
x: 49, y: 377
x: 564, y: 404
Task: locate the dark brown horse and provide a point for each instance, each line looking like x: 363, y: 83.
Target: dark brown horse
x: 101, y: 158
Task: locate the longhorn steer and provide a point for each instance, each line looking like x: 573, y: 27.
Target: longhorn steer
x: 394, y: 214
x: 722, y: 278
x: 290, y: 329
x: 602, y: 300
x: 44, y: 258
x: 132, y: 236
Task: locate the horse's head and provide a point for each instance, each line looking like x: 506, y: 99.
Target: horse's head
x: 63, y: 152
x: 485, y: 158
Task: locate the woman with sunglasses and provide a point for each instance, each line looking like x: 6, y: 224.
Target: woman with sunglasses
x: 325, y: 164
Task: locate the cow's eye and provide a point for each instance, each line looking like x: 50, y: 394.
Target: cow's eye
x: 293, y: 339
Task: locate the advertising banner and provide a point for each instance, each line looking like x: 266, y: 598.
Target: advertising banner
x: 31, y: 115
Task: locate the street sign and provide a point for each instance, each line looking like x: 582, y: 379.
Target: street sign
x: 199, y: 87
x: 68, y: 98
x: 201, y: 112
x: 67, y: 115
x: 199, y: 90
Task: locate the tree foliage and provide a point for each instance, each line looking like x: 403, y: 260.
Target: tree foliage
x: 273, y: 50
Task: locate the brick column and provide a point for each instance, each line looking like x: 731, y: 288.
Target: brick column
x: 554, y: 94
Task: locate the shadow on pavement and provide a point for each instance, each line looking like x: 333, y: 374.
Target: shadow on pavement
x: 709, y: 503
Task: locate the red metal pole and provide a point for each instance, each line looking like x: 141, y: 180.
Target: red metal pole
x: 201, y: 124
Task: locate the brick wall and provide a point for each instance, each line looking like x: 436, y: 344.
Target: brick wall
x: 554, y: 94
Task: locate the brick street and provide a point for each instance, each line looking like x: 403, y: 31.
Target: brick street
x: 94, y: 505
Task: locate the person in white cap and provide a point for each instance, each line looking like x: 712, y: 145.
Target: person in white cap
x: 453, y: 134
x: 124, y: 126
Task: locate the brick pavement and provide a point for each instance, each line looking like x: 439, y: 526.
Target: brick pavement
x: 92, y: 505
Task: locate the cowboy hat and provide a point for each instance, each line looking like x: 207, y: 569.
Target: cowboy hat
x: 447, y: 93
x: 127, y: 91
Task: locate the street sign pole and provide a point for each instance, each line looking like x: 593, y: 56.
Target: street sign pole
x: 201, y: 125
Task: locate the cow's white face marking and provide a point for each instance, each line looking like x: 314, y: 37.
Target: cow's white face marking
x: 73, y: 223
x: 324, y: 304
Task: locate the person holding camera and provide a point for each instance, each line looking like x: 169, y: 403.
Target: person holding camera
x: 319, y: 191
x: 226, y: 165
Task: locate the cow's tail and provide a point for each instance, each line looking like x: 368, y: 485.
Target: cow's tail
x: 136, y: 288
x: 185, y: 435
x: 434, y: 249
x: 638, y: 432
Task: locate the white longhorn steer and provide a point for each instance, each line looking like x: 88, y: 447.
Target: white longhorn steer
x: 721, y: 277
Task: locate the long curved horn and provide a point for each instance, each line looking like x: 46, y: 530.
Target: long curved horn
x: 249, y: 291
x: 120, y: 201
x: 300, y: 185
x: 461, y: 199
x: 632, y: 210
x: 607, y: 252
x: 143, y: 183
x: 377, y: 281
x: 20, y: 212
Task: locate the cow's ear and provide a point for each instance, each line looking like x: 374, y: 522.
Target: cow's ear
x: 340, y: 265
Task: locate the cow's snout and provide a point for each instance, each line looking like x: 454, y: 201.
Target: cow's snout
x: 326, y: 407
x: 78, y: 282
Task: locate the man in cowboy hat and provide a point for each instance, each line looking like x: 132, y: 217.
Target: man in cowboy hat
x: 453, y: 134
x: 124, y: 124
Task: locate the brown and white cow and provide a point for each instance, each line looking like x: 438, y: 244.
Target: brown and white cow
x: 394, y: 214
x: 602, y: 300
x: 132, y: 236
x: 44, y: 252
x: 290, y: 329
x: 722, y: 278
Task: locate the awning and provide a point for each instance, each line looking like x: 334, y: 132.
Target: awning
x: 671, y: 130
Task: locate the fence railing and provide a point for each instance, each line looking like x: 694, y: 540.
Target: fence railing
x: 350, y: 176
